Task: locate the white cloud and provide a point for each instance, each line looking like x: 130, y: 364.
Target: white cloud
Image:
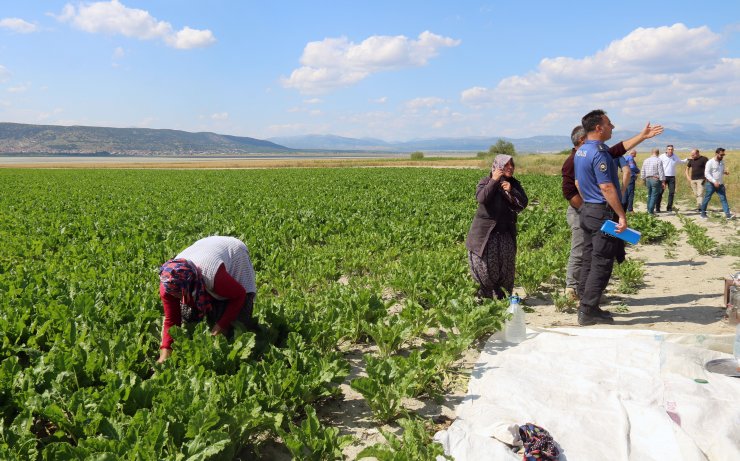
x: 114, y: 18
x: 188, y: 38
x: 381, y: 100
x: 18, y: 25
x: 401, y: 124
x: 220, y: 116
x: 304, y: 110
x: 337, y: 62
x: 4, y: 74
x: 428, y: 102
x: 651, y: 73
x: 22, y: 88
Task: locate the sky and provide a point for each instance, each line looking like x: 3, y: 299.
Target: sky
x: 394, y: 70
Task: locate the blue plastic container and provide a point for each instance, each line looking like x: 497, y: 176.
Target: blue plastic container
x: 628, y: 235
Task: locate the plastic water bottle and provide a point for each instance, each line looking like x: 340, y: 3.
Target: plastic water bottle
x: 515, y: 329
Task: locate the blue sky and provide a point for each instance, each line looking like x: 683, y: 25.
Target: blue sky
x: 394, y: 70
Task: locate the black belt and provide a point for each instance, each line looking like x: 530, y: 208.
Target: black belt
x: 604, y: 205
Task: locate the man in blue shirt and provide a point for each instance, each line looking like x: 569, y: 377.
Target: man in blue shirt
x: 629, y: 193
x: 598, y: 183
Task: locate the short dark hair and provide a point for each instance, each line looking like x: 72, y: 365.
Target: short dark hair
x: 591, y: 120
x: 719, y: 149
x: 669, y: 145
x: 577, y: 135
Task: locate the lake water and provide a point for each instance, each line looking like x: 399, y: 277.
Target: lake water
x: 30, y: 160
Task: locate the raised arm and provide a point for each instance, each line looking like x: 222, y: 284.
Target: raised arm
x: 646, y: 133
x: 487, y: 189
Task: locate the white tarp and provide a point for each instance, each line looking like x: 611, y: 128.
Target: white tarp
x: 602, y: 394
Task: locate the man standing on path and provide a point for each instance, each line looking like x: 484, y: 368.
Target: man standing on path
x: 669, y: 167
x: 695, y: 175
x: 598, y: 184
x: 713, y: 172
x: 654, y: 177
x: 629, y: 193
x: 570, y: 192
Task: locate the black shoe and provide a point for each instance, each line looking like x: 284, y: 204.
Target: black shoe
x: 585, y: 319
x: 599, y: 312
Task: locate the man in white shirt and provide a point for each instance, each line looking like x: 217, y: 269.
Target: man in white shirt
x: 713, y: 172
x: 669, y: 167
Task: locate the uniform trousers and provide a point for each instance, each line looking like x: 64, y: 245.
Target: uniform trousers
x: 599, y: 252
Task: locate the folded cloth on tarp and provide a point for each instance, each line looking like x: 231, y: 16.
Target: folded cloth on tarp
x: 538, y: 443
x: 602, y: 394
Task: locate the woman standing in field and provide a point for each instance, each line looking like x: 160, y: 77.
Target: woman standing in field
x: 491, y: 241
x: 212, y: 279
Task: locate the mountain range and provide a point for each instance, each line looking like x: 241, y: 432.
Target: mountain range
x: 17, y: 138
x: 25, y: 139
x: 692, y: 137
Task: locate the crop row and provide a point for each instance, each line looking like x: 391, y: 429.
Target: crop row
x: 334, y: 250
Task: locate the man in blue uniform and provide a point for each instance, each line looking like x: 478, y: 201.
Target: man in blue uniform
x: 598, y: 183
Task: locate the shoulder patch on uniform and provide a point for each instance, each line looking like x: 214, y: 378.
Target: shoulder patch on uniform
x: 602, y: 167
x: 580, y: 153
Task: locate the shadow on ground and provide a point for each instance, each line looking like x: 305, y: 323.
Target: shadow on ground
x: 702, y: 315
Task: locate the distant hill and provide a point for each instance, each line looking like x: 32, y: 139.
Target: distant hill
x: 17, y: 138
x: 692, y: 137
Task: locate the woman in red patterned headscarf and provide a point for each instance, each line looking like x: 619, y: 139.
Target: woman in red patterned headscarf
x: 211, y: 279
